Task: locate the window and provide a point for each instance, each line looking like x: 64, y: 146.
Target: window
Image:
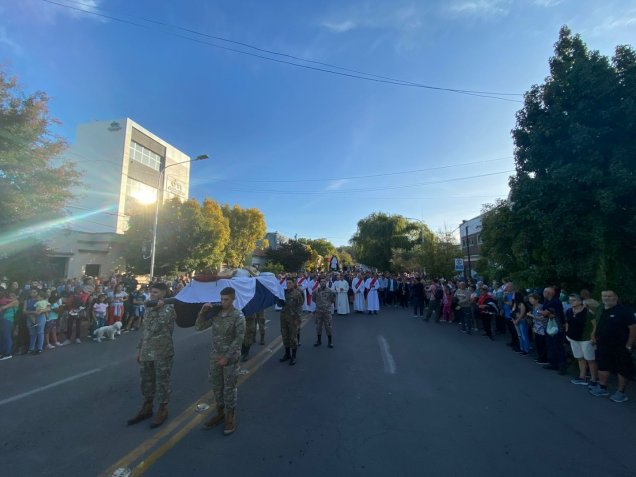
x: 140, y: 192
x: 92, y: 270
x: 145, y: 156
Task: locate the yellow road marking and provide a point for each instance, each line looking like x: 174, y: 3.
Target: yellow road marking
x: 145, y: 448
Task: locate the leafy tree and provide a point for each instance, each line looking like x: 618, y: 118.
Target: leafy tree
x: 247, y: 227
x: 291, y: 255
x: 379, y: 234
x: 345, y: 257
x: 190, y: 236
x: 321, y: 246
x: 571, y: 216
x: 26, y: 260
x: 32, y: 186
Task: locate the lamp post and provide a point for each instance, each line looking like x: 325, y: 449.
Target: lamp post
x: 160, y: 199
x: 470, y: 273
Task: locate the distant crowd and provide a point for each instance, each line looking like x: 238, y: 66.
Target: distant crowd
x: 39, y: 315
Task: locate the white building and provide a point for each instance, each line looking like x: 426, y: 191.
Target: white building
x: 122, y: 165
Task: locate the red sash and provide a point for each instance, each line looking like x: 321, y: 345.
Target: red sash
x: 282, y: 280
x: 313, y: 289
x: 366, y: 292
x: 360, y: 281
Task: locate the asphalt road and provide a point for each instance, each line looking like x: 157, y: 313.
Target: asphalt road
x: 396, y: 396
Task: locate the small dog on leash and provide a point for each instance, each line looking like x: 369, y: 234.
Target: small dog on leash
x: 107, y: 332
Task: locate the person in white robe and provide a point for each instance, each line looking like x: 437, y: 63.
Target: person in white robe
x: 357, y: 285
x: 282, y: 280
x: 372, y: 286
x: 341, y: 287
x: 314, y: 283
x: 302, y: 283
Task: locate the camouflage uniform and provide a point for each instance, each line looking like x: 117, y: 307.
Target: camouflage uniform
x: 156, y: 353
x: 228, y: 333
x: 250, y: 331
x: 290, y: 317
x: 260, y: 320
x: 324, y: 299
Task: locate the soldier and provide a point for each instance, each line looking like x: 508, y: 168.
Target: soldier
x: 290, y: 320
x: 155, y: 354
x: 250, y: 336
x: 228, y: 332
x: 260, y: 321
x: 325, y: 298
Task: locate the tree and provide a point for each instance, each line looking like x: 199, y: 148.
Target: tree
x: 247, y: 227
x: 291, y: 255
x: 26, y: 260
x: 345, y: 256
x: 379, y: 234
x: 190, y: 236
x: 571, y: 216
x: 321, y: 246
x: 33, y: 187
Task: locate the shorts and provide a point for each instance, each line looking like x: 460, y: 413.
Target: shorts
x: 583, y: 349
x: 50, y: 326
x: 615, y: 359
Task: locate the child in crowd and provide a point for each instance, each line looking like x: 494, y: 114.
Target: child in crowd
x: 100, y: 308
x: 50, y: 329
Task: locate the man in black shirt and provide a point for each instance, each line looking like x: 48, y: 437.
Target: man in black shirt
x: 615, y: 335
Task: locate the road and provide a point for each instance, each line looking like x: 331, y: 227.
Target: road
x: 396, y: 396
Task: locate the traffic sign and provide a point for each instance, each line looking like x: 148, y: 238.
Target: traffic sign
x: 459, y: 264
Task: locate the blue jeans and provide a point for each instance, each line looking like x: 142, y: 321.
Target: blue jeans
x: 524, y: 336
x: 6, y: 337
x: 36, y: 332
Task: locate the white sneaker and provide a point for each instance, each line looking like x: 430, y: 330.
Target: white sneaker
x: 50, y: 346
x: 78, y: 341
x: 66, y: 342
x: 6, y: 357
x: 58, y: 344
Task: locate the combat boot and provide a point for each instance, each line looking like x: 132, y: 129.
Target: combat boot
x: 245, y: 351
x: 318, y: 341
x: 330, y: 341
x: 215, y: 420
x: 292, y: 361
x: 262, y: 338
x: 286, y: 356
x: 230, y: 422
x: 162, y: 415
x: 145, y: 413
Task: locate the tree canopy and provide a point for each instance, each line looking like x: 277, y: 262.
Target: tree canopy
x: 247, y: 228
x: 190, y: 236
x: 571, y: 217
x: 292, y: 255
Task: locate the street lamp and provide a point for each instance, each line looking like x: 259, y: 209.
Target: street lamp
x: 160, y: 199
x: 470, y: 272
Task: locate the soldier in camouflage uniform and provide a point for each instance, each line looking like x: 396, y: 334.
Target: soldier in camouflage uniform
x: 325, y: 298
x: 228, y: 333
x: 250, y: 336
x: 260, y: 320
x: 155, y: 353
x: 290, y: 320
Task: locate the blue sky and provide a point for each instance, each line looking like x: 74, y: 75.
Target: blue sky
x: 263, y: 121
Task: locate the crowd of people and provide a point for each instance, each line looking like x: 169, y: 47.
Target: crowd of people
x: 548, y: 324
x: 39, y: 316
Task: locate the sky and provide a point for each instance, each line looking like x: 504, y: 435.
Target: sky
x: 315, y: 151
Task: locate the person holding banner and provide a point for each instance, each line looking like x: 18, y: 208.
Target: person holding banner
x: 228, y: 333
x: 302, y: 284
x: 282, y: 280
x: 372, y: 285
x: 357, y: 285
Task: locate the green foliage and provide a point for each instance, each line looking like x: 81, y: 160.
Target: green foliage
x: 247, y: 227
x: 190, y: 236
x: 273, y: 267
x: 571, y: 217
x: 345, y: 256
x: 321, y: 246
x: 292, y: 255
x: 435, y: 255
x: 379, y: 234
x: 25, y: 261
x: 32, y: 187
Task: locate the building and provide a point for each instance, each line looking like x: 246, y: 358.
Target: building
x: 470, y: 234
x: 273, y: 241
x: 124, y: 167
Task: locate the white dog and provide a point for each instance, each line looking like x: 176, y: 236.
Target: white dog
x: 107, y: 332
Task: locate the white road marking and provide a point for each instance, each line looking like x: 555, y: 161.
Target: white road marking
x: 387, y: 357
x: 49, y: 386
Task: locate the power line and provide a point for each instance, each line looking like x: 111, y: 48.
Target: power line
x: 384, y: 174
x: 351, y: 73
x: 370, y: 189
